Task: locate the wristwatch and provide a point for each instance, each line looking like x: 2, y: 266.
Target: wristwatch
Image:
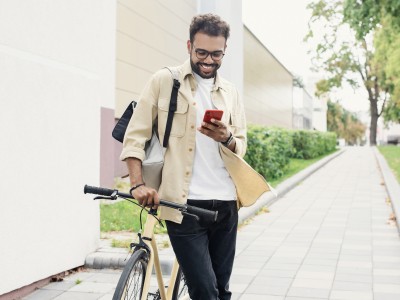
x: 228, y: 141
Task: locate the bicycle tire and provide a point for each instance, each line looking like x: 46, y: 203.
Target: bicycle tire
x: 130, y: 284
x: 180, y: 288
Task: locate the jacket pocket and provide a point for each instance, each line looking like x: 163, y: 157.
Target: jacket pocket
x: 179, y: 121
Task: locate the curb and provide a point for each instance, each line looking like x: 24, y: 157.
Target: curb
x: 391, y: 185
x: 107, y: 257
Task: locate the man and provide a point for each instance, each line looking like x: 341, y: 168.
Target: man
x: 194, y: 171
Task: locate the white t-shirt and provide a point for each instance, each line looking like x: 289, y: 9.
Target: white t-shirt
x: 210, y: 179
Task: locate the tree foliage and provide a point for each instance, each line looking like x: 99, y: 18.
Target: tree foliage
x: 382, y: 19
x: 345, y: 124
x: 365, y: 16
x: 387, y: 56
x: 352, y: 59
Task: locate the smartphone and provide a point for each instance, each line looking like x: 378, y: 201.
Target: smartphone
x: 212, y: 114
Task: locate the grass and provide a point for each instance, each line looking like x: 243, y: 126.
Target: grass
x: 392, y: 156
x: 295, y: 166
x: 123, y: 216
x: 121, y: 243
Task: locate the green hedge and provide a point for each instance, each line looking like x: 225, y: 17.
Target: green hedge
x: 269, y: 149
x: 311, y: 144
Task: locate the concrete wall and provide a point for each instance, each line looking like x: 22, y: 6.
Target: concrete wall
x: 268, y: 86
x: 57, y: 69
x: 150, y: 35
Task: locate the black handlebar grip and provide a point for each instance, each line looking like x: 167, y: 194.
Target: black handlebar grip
x: 205, y: 214
x: 97, y: 190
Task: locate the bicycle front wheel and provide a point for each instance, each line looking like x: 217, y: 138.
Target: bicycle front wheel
x: 130, y: 284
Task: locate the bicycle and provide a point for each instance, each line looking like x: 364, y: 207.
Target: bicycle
x: 134, y: 282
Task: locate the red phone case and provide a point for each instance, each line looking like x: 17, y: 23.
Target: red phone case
x: 212, y: 114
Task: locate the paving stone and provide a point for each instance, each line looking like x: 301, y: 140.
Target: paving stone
x: 387, y: 279
x: 315, y: 275
x: 249, y: 296
x: 308, y: 293
x: 387, y: 288
x: 93, y: 287
x: 43, y: 294
x: 351, y: 295
x: 312, y: 283
x: 354, y: 278
x: 78, y: 296
x: 351, y: 286
x: 60, y: 286
x: 262, y: 289
x: 386, y: 296
x: 278, y: 273
x: 301, y: 298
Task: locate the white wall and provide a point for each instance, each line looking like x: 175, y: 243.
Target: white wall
x: 268, y: 86
x: 320, y: 114
x: 151, y: 35
x: 56, y: 70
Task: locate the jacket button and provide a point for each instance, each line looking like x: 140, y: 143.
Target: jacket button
x: 190, y: 149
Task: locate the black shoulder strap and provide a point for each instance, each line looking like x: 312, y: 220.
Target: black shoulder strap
x: 172, y: 105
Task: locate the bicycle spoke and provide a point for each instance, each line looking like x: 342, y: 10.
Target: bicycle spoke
x: 134, y: 283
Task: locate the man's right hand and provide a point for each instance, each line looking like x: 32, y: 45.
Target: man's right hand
x: 146, y: 196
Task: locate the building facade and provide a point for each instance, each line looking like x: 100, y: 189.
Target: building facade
x: 268, y: 86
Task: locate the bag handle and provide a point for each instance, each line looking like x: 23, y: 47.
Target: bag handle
x: 172, y: 105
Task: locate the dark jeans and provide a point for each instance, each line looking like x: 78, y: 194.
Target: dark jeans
x: 206, y: 252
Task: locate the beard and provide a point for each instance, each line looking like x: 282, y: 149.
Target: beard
x: 197, y: 70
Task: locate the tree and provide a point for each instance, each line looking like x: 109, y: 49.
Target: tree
x: 346, y: 60
x: 381, y: 18
x: 345, y: 124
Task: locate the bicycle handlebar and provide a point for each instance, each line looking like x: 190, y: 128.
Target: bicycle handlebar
x: 202, y: 213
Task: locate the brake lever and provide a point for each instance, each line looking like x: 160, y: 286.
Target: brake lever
x: 185, y: 213
x: 113, y: 196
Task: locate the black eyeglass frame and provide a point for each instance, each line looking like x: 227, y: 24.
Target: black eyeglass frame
x: 212, y: 54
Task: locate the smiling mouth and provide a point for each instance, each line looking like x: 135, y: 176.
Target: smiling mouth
x: 207, y: 67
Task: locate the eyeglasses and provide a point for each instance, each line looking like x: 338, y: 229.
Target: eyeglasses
x: 203, y: 54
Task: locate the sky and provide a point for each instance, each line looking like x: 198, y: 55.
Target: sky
x: 281, y: 26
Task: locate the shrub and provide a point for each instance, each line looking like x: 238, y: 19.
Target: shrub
x: 311, y: 144
x: 269, y: 149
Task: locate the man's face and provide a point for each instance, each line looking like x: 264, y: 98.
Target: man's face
x: 211, y: 46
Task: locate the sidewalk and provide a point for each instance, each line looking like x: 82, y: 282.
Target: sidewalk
x: 327, y: 238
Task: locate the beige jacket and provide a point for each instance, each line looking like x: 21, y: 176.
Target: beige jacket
x: 179, y: 157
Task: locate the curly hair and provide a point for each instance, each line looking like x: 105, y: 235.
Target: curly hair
x: 209, y: 24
